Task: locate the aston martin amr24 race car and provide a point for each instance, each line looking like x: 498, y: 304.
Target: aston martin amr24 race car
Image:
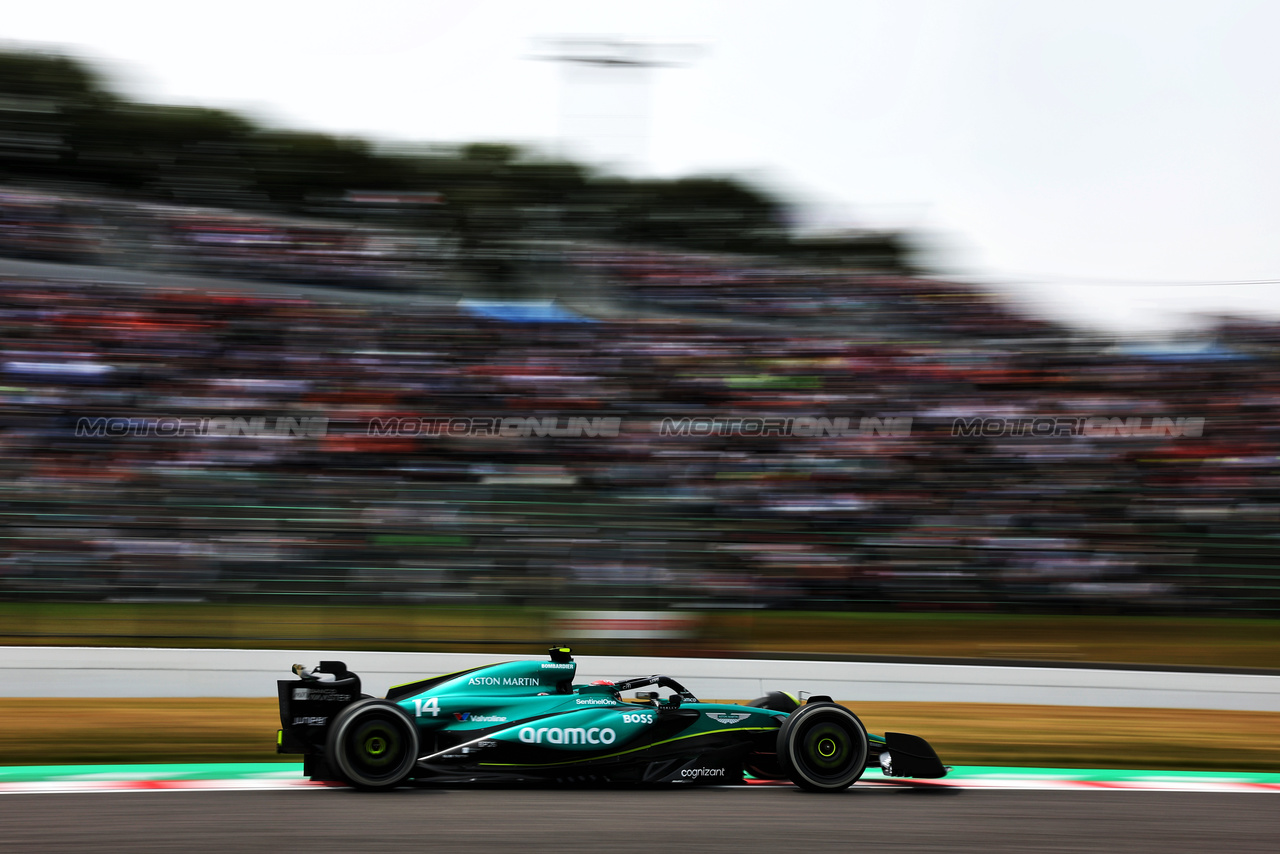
x: 527, y: 721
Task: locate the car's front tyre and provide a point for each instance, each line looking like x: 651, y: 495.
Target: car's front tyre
x: 373, y: 745
x: 823, y: 747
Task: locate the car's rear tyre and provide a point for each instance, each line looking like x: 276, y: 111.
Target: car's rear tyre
x: 373, y: 745
x: 823, y: 748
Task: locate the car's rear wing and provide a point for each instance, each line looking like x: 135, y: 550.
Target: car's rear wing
x: 307, y: 705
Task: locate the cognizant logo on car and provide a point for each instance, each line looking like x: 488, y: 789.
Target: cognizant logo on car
x: 702, y: 772
x: 567, y: 735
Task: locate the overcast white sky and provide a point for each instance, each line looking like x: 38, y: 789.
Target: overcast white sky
x: 1075, y: 151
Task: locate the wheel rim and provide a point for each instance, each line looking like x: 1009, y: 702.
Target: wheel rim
x: 379, y: 748
x: 827, y: 749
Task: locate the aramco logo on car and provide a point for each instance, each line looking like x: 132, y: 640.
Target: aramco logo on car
x: 567, y: 735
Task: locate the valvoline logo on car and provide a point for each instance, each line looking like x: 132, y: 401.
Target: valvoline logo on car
x: 468, y: 717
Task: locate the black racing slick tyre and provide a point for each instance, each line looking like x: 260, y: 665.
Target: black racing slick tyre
x: 823, y: 748
x: 373, y: 745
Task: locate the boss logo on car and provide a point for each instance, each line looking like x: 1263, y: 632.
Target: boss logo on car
x: 567, y: 735
x: 637, y: 719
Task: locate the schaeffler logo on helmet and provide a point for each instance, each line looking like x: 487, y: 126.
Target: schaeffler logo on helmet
x: 728, y: 718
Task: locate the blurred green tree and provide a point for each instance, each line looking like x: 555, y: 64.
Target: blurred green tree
x: 60, y: 123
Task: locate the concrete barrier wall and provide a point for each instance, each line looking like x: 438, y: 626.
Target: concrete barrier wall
x: 88, y: 672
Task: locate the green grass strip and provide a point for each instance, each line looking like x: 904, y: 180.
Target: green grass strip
x: 167, y: 771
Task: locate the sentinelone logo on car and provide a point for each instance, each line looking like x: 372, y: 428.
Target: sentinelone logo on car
x: 567, y: 735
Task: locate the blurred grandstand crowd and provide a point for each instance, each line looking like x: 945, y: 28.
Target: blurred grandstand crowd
x: 925, y: 519
x: 182, y: 239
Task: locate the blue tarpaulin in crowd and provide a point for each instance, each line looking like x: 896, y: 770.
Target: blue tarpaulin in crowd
x: 522, y: 311
x: 1197, y: 351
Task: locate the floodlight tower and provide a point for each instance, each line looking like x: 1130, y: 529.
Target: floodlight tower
x: 605, y: 97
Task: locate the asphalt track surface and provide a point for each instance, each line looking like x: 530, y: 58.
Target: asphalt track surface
x: 719, y: 819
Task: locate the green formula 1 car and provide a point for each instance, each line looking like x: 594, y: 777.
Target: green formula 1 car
x: 527, y: 721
